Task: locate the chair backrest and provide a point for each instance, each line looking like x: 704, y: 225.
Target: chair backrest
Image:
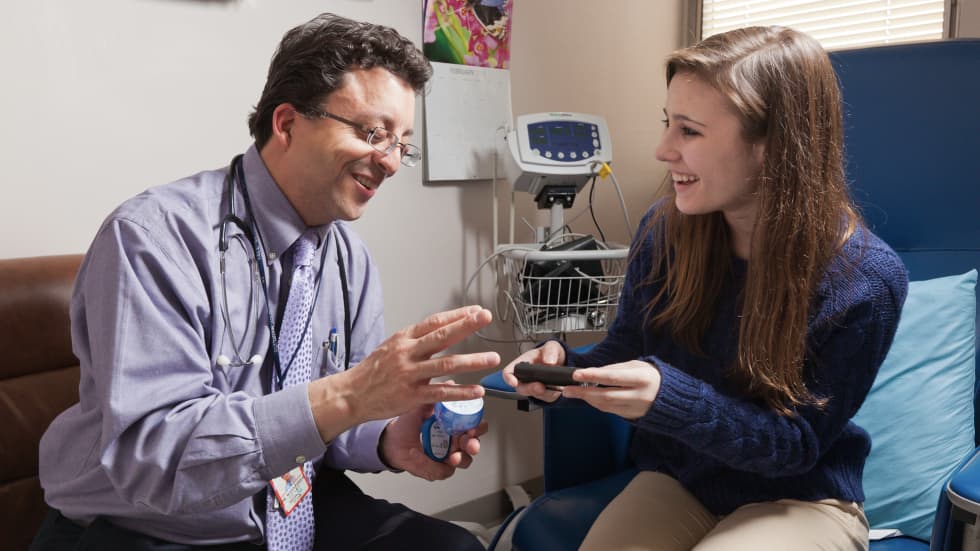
x: 38, y: 380
x: 912, y: 124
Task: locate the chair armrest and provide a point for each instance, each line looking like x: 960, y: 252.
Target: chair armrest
x: 581, y: 444
x: 963, y: 488
x: 496, y: 387
x: 959, y: 503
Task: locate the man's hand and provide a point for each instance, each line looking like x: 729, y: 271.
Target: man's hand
x: 396, y: 377
x: 400, y: 447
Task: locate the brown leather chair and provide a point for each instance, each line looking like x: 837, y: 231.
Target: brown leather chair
x: 38, y: 380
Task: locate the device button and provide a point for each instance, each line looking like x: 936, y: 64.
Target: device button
x: 561, y: 155
x: 547, y: 154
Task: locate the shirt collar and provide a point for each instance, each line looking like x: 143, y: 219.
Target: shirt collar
x: 277, y: 220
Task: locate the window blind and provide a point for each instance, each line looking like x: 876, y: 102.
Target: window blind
x: 835, y: 24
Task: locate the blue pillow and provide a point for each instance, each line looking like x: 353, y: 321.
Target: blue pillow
x: 920, y: 410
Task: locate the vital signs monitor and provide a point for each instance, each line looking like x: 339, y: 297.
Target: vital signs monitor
x: 554, y: 149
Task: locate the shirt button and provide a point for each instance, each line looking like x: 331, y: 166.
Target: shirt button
x: 300, y: 459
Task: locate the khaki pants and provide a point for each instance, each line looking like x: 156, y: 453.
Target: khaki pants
x: 654, y: 512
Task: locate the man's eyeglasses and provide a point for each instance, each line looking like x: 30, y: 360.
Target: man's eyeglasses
x: 378, y: 137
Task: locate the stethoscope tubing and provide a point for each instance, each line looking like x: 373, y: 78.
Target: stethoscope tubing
x: 253, y: 235
x: 237, y: 343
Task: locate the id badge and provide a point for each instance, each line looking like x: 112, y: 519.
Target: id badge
x: 290, y: 489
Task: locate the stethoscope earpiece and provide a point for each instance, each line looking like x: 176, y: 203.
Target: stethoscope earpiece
x: 223, y: 361
x: 256, y: 359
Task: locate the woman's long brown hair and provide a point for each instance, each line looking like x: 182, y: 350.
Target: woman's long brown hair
x: 785, y: 91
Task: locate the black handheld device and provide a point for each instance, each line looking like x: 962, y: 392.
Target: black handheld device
x: 550, y: 375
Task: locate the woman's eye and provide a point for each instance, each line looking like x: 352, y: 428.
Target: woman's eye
x: 688, y: 131
x: 666, y: 123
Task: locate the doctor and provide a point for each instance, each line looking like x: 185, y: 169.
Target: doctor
x: 188, y: 433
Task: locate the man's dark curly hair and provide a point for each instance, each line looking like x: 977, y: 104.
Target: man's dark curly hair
x: 313, y: 58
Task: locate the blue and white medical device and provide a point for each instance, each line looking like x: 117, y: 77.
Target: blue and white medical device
x: 555, y: 149
x: 448, y: 420
x: 553, y: 155
x: 563, y: 282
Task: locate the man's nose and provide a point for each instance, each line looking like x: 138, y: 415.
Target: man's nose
x: 389, y: 162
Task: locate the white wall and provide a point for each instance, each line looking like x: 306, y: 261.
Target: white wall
x: 968, y: 19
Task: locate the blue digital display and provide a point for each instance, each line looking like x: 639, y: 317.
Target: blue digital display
x: 565, y: 141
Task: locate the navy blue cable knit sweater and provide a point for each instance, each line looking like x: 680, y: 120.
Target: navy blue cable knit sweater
x: 728, y: 450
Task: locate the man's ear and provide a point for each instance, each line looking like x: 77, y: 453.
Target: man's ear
x: 283, y: 119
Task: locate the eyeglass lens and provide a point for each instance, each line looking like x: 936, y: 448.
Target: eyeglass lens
x: 383, y: 141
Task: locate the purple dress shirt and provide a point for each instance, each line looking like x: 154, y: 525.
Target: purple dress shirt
x: 165, y: 441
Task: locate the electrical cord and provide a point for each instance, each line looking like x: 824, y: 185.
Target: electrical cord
x: 598, y: 169
x: 469, y: 283
x: 598, y: 228
x: 622, y: 204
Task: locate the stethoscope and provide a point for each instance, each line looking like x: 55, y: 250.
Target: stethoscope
x: 251, y: 238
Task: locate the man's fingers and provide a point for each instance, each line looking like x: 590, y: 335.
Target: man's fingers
x: 480, y: 430
x: 437, y: 392
x: 427, y: 468
x: 459, y: 460
x: 457, y: 363
x: 438, y: 320
x: 441, y: 338
x: 470, y: 447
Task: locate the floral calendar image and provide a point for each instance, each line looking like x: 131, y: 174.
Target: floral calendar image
x: 468, y: 32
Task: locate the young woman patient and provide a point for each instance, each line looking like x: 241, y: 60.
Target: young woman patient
x: 756, y: 311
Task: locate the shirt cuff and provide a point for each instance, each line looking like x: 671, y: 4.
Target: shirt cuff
x: 357, y: 448
x: 286, y: 430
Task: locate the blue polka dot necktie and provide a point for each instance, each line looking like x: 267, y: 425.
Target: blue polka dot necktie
x: 295, y: 531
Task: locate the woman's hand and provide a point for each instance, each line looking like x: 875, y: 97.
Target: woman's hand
x: 628, y: 389
x: 550, y: 353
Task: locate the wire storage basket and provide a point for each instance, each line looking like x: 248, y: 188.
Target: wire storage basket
x: 568, y: 288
